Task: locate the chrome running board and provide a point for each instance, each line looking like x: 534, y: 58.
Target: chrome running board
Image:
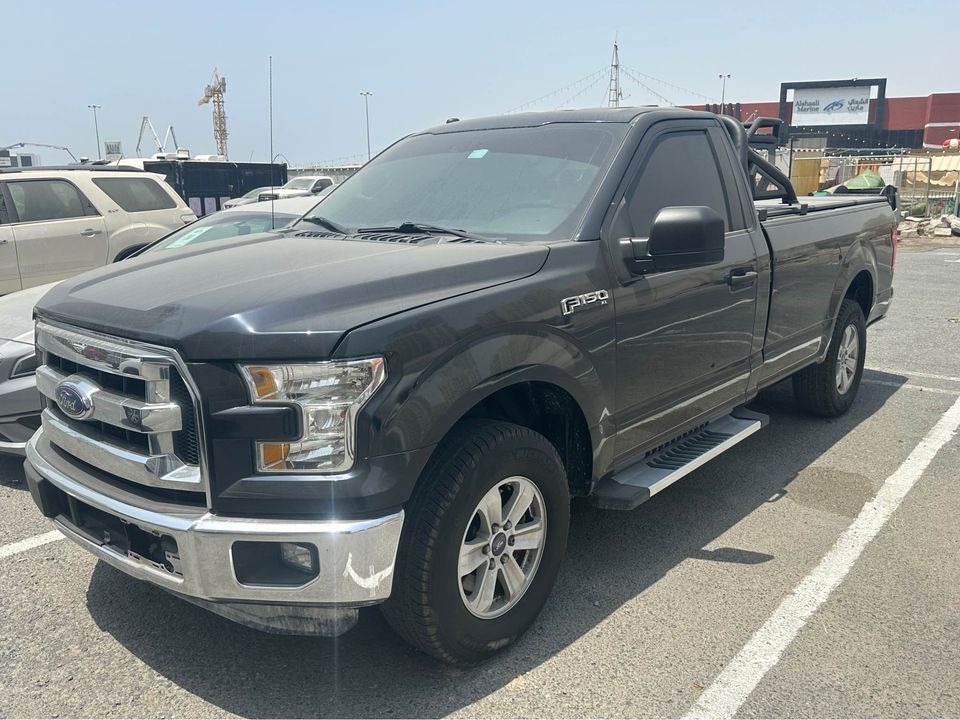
x: 641, y: 481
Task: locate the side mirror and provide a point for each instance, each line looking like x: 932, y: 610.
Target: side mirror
x: 680, y: 237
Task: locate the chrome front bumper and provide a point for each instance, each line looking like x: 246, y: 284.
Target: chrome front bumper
x: 356, y: 557
x: 12, y: 448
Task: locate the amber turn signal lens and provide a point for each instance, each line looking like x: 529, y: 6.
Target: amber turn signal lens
x: 263, y: 381
x: 274, y: 454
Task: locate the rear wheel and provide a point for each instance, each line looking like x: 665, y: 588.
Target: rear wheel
x: 829, y: 388
x: 486, y: 531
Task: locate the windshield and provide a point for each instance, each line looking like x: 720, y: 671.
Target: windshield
x: 513, y: 184
x: 223, y: 225
x: 300, y: 183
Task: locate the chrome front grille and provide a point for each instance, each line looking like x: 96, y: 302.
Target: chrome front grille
x: 124, y: 408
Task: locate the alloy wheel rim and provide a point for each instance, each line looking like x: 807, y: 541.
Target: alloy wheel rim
x: 847, y: 356
x: 501, y: 547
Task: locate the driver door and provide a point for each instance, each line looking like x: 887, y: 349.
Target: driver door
x: 684, y: 337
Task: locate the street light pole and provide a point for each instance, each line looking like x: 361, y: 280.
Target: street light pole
x: 96, y: 127
x: 366, y: 108
x: 723, y: 90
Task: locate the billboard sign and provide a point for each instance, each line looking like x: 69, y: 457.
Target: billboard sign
x: 112, y: 150
x: 831, y: 105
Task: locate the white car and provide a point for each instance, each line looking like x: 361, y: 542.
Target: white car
x: 300, y: 186
x: 58, y: 222
x: 244, y: 220
x: 247, y: 198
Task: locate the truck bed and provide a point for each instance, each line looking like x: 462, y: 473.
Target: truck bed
x: 774, y: 208
x: 807, y: 240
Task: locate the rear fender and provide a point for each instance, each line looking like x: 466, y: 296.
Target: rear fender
x: 859, y: 257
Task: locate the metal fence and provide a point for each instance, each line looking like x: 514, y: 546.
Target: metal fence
x: 339, y: 173
x: 927, y: 185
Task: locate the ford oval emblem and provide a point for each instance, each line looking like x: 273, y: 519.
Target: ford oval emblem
x: 72, y: 402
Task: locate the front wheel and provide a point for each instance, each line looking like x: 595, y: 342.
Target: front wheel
x: 487, y: 529
x: 829, y: 388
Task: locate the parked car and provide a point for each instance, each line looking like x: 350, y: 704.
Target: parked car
x: 20, y: 403
x: 394, y: 401
x: 250, y: 197
x: 57, y: 222
x: 299, y: 186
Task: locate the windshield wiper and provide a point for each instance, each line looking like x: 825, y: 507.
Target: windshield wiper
x: 408, y: 227
x: 324, y: 223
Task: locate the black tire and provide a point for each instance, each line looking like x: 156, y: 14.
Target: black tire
x: 816, y: 387
x: 426, y: 606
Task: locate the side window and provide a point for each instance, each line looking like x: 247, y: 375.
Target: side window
x: 136, y: 194
x: 681, y: 169
x: 36, y: 200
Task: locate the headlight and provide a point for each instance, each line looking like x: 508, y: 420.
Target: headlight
x: 27, y: 365
x: 329, y: 395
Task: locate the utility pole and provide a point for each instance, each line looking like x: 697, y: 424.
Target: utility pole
x: 366, y: 109
x: 616, y: 94
x: 723, y: 90
x: 96, y: 127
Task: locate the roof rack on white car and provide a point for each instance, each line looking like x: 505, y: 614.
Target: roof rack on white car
x: 48, y: 168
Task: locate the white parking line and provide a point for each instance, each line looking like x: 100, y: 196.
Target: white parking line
x: 908, y: 386
x: 30, y: 543
x: 911, y: 373
x: 731, y: 688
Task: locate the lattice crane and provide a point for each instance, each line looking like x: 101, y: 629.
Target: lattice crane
x: 215, y: 91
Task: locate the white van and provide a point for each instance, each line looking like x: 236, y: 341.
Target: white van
x: 57, y: 222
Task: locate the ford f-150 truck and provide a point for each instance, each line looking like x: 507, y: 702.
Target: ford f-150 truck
x: 394, y: 401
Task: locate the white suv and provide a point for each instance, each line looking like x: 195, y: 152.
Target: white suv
x: 57, y: 222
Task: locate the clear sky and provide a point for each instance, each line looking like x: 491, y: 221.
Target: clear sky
x: 424, y: 62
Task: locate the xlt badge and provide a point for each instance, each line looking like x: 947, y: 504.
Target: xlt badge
x: 568, y: 305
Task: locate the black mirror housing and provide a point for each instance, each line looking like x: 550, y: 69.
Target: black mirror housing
x: 686, y: 237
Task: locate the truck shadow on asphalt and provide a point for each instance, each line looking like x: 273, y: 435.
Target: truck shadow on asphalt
x: 369, y: 672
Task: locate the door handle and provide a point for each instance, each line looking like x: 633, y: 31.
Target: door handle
x: 89, y: 232
x: 740, y: 277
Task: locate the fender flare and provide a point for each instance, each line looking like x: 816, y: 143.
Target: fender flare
x: 445, y: 391
x: 859, y: 258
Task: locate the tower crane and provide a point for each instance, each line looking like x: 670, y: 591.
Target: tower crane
x: 215, y: 91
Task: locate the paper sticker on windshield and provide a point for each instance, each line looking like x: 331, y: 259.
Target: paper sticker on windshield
x: 188, y: 238
x: 476, y: 154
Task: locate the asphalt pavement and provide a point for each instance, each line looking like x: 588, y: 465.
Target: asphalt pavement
x: 702, y: 600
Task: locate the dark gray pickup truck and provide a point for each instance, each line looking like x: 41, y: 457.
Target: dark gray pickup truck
x: 394, y: 400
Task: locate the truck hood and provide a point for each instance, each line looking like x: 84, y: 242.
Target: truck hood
x: 269, y: 297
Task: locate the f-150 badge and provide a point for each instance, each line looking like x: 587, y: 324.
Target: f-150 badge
x: 568, y: 305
